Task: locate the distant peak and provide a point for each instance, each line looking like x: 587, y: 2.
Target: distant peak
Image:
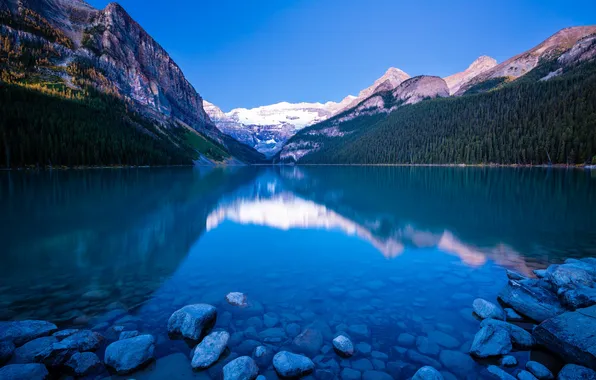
x: 392, y: 71
x: 483, y: 61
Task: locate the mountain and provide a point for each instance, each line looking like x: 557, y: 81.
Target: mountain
x: 390, y: 80
x: 520, y: 121
x: 479, y: 66
x: 71, y: 48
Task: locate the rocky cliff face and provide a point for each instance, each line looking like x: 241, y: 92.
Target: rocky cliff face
x: 419, y: 88
x: 479, y: 66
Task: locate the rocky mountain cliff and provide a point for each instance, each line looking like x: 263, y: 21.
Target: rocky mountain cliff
x: 479, y: 66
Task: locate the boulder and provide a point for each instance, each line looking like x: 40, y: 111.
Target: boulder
x: 539, y: 370
x: 273, y: 335
x: 532, y: 301
x: 242, y: 368
x: 6, y: 350
x: 419, y: 359
x: 64, y: 333
x: 491, y: 341
x: 520, y: 338
x: 512, y: 316
x: 236, y: 299
x: 427, y: 373
x: 343, y: 346
x: 457, y: 362
x: 125, y: 356
x: 83, y: 364
x: 128, y: 334
x: 362, y: 365
x: 210, y: 349
x: 287, y: 364
x: 571, y: 335
x: 84, y: 340
x: 497, y: 373
x: 31, y: 371
x: 309, y: 342
x: 270, y: 319
x: 576, y: 372
x: 485, y: 309
x: 192, y: 320
x: 568, y: 275
x: 28, y: 352
x: 578, y: 297
x: 21, y: 332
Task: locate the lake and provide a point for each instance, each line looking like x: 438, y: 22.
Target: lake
x: 389, y: 255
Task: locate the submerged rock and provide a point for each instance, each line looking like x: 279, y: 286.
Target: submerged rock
x: 210, y: 349
x: 525, y: 375
x: 512, y: 316
x: 308, y: 342
x: 376, y: 375
x: 568, y: 275
x: 534, y: 302
x: 128, y: 334
x: 126, y: 355
x: 508, y: 361
x: 578, y: 297
x: 350, y: 374
x: 427, y: 373
x: 242, y: 368
x: 571, y: 335
x: 192, y: 320
x: 519, y: 337
x: 30, y: 350
x: 32, y: 371
x: 491, y: 341
x: 64, y: 333
x: 498, y: 373
x: 83, y: 363
x: 539, y: 370
x: 457, y: 362
x: 84, y: 340
x: 6, y: 350
x: 236, y: 299
x: 485, y: 309
x: 287, y: 364
x: 21, y: 332
x: 576, y: 372
x: 343, y: 346
x: 427, y: 346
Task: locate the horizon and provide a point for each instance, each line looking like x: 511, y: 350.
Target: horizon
x: 317, y: 55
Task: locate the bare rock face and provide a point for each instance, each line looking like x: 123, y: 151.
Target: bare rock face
x: 480, y: 65
x: 419, y: 88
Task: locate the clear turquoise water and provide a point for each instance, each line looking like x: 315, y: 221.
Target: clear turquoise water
x: 398, y: 249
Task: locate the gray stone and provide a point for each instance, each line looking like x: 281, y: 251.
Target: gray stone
x: 406, y: 340
x: 64, y: 333
x: 28, y: 352
x: 457, y: 362
x: 309, y: 342
x: 6, y: 350
x: 292, y: 329
x: 247, y: 347
x: 273, y: 335
x: 379, y: 355
x: 426, y: 346
x: 125, y: 356
x: 287, y: 364
x: 485, y: 309
x: 350, y: 374
x: 508, y: 361
x: 533, y: 302
x: 427, y: 373
x: 128, y: 334
x: 515, y: 276
x: 242, y: 368
x: 491, y: 341
x: 192, y: 320
x: 568, y: 275
x: 343, y: 346
x: 376, y: 375
x: 539, y: 370
x: 363, y: 348
x: 520, y: 338
x: 83, y: 364
x: 362, y: 365
x: 576, y: 372
x: 498, y: 373
x: 31, y: 371
x: 210, y: 349
x: 360, y: 331
x: 579, y: 297
x: 420, y: 359
x: 84, y: 340
x: 236, y: 299
x: 571, y: 335
x: 443, y: 339
x: 525, y: 375
x: 270, y: 319
x: 512, y: 316
x: 21, y: 332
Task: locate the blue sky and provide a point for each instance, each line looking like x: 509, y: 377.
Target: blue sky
x: 258, y: 52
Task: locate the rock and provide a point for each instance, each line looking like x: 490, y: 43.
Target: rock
x: 578, y: 297
x: 571, y: 335
x: 128, y: 334
x: 426, y: 346
x: 124, y: 356
x: 192, y: 320
x: 262, y: 356
x: 32, y: 371
x: 321, y: 374
x: 255, y: 322
x: 406, y: 340
x: 540, y: 273
x: 309, y: 342
x: 576, y: 372
x: 539, y: 370
x: 427, y: 373
x: 512, y: 316
x: 525, y: 375
x: 210, y: 349
x: 420, y: 359
x: 379, y: 355
x: 350, y: 374
x: 6, y: 350
x: 568, y: 275
x: 457, y: 362
x: 363, y: 348
x: 64, y: 333
x: 401, y: 370
x: 362, y: 365
x: 443, y: 339
x: 378, y: 364
x: 485, y: 309
x: 30, y: 350
x: 343, y: 346
x: 293, y: 329
x: 84, y: 340
x: 515, y: 276
x: 376, y: 375
x: 83, y: 364
x: 533, y: 302
x: 273, y: 335
x: 236, y: 299
x: 21, y: 332
x: 520, y: 338
x: 287, y: 364
x: 508, y: 361
x: 498, y: 373
x: 247, y: 347
x: 242, y: 368
x: 491, y: 341
x: 360, y: 331
x: 96, y: 295
x: 270, y: 319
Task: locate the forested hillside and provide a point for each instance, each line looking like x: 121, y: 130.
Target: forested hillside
x: 523, y: 122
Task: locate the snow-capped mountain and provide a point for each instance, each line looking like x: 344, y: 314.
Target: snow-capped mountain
x: 267, y: 128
